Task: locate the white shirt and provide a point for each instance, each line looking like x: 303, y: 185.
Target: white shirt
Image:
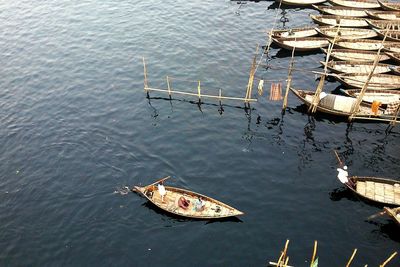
x: 161, y: 189
x: 342, y: 175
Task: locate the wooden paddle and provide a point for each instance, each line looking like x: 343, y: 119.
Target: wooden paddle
x: 338, y: 158
x: 376, y: 215
x: 156, y: 182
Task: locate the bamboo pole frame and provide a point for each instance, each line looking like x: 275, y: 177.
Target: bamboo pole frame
x: 351, y: 258
x: 145, y: 82
x: 289, y: 80
x: 389, y: 259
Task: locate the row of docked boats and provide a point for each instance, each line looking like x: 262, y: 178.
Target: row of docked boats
x: 360, y: 4
x: 355, y: 43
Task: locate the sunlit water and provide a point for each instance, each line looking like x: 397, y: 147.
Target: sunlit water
x: 76, y: 128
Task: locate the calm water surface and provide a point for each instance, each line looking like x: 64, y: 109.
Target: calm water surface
x: 76, y: 127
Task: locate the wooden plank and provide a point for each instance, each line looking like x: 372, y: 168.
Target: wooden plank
x: 361, y: 188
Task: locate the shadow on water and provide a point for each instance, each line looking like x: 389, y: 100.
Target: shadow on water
x: 283, y: 53
x: 339, y: 193
x: 178, y: 218
x: 390, y: 229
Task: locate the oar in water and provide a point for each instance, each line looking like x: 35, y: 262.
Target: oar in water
x: 156, y: 182
x: 376, y: 215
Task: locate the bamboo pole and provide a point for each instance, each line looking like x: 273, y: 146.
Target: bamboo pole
x: 251, y: 76
x: 389, y: 259
x: 169, y: 87
x: 394, y: 121
x: 203, y: 95
x: 314, y: 253
x: 289, y: 80
x: 199, y: 92
x: 145, y: 77
x: 374, y: 119
x: 351, y: 258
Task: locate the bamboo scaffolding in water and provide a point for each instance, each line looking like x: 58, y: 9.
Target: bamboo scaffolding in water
x: 289, y: 80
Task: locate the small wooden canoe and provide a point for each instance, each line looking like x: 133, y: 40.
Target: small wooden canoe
x: 337, y: 105
x: 301, y: 44
x: 383, y: 96
x: 386, y: 5
x: 347, y: 33
x: 377, y: 81
x: 384, y: 24
x: 365, y: 44
x: 213, y: 209
x: 362, y: 4
x: 355, y: 55
x: 294, y: 32
x: 385, y: 15
x: 300, y: 2
x: 356, y: 67
x: 391, y: 35
x: 393, y: 47
x: 341, y: 11
x: 331, y: 20
x: 376, y: 189
x: 394, y: 213
x: 394, y: 56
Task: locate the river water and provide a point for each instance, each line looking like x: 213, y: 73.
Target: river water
x: 76, y: 127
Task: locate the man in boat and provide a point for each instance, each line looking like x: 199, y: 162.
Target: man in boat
x: 343, y: 176
x: 162, y: 191
x: 183, y: 203
x: 199, y: 205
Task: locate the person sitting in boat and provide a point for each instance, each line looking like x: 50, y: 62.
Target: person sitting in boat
x: 199, y: 205
x: 343, y: 176
x: 183, y: 203
x: 162, y: 191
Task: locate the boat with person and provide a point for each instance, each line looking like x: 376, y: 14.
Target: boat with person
x: 300, y: 2
x: 355, y: 55
x: 356, y: 67
x: 185, y: 203
x: 385, y: 97
x: 347, y: 33
x: 376, y: 82
x: 331, y: 20
x: 384, y: 15
x: 365, y: 44
x: 362, y: 4
x: 301, y: 44
x: 341, y: 11
x: 294, y: 32
x: 343, y: 106
x: 376, y: 189
x: 388, y: 5
x: 383, y: 24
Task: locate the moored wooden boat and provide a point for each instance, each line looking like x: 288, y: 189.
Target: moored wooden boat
x: 355, y: 55
x: 366, y: 44
x: 377, y: 81
x: 385, y: 15
x: 300, y: 2
x: 212, y: 209
x: 393, y: 47
x: 395, y: 70
x: 347, y: 33
x: 384, y: 24
x: 331, y: 20
x: 336, y: 105
x: 391, y: 35
x: 376, y: 189
x: 394, y: 213
x: 356, y: 67
x: 341, y: 11
x: 301, y: 44
x: 362, y: 4
x: 394, y: 56
x: 294, y: 32
x: 386, y: 5
x: 383, y: 96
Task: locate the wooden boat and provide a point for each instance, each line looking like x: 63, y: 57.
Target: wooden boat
x: 341, y: 11
x: 355, y: 55
x: 394, y: 56
x: 213, y: 209
x: 377, y: 81
x: 389, y: 5
x: 336, y: 105
x: 393, y: 47
x: 394, y: 213
x: 356, y: 67
x: 300, y: 2
x: 376, y: 189
x: 365, y: 44
x: 391, y: 35
x: 330, y: 20
x: 348, y: 33
x: 301, y: 44
x: 383, y: 96
x: 395, y: 69
x: 362, y: 4
x: 385, y: 15
x: 384, y: 24
x: 294, y: 32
